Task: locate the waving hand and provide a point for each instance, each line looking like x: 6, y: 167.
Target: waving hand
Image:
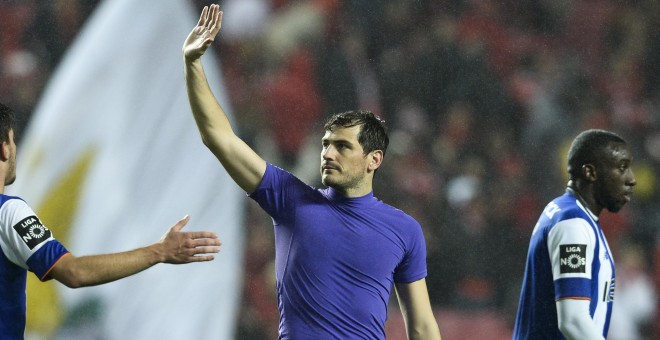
x: 204, y: 33
x: 242, y: 163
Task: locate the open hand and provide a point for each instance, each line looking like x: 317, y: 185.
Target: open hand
x: 204, y: 33
x: 179, y: 247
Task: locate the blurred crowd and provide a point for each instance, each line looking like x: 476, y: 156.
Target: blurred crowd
x: 482, y: 99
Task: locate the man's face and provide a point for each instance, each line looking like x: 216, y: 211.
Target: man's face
x: 615, y: 179
x: 343, y: 163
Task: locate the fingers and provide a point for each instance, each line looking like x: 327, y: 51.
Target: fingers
x: 204, y: 258
x: 182, y: 223
x: 200, y: 242
x: 209, y: 14
x: 202, y: 250
x: 196, y: 245
x: 201, y: 253
x: 203, y: 16
x: 193, y: 246
x: 201, y: 235
x: 212, y: 19
x: 206, y: 250
x: 216, y: 23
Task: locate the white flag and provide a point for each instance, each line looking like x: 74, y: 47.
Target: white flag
x: 112, y: 151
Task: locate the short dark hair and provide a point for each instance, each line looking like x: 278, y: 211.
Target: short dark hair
x: 373, y: 131
x: 7, y: 122
x: 588, y: 148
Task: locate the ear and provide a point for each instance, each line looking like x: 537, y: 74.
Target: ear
x: 589, y: 172
x: 5, y: 152
x: 375, y: 160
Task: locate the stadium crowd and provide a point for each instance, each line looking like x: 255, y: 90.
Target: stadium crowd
x: 482, y: 98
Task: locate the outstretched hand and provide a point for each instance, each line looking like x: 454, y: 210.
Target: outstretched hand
x: 204, y: 33
x: 179, y: 247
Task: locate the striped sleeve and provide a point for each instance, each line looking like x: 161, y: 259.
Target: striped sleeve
x: 26, y: 241
x: 571, y: 247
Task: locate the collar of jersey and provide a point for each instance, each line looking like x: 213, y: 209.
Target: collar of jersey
x: 338, y: 198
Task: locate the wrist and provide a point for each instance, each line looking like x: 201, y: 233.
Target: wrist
x: 191, y: 60
x: 156, y: 253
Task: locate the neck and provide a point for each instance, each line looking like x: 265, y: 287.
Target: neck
x: 353, y: 192
x: 584, y: 195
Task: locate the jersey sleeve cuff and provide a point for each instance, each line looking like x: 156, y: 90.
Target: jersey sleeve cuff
x: 572, y: 288
x: 43, y: 261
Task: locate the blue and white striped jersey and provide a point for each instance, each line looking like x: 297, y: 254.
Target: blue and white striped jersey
x: 568, y: 258
x: 25, y: 244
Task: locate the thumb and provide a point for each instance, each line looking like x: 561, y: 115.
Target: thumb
x: 207, y: 43
x: 182, y: 223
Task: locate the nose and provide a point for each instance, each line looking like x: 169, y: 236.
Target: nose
x: 327, y: 152
x: 631, y: 181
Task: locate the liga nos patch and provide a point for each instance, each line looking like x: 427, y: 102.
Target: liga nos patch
x: 32, y: 231
x: 572, y: 258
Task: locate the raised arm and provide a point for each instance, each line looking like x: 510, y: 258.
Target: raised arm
x: 416, y: 309
x: 174, y: 247
x: 240, y: 161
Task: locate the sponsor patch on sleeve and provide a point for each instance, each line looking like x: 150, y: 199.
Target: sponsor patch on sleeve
x: 32, y: 231
x: 572, y: 258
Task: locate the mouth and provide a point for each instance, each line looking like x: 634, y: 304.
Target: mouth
x: 627, y: 196
x: 327, y: 167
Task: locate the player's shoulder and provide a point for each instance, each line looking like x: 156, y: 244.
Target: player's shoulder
x: 564, y: 207
x: 12, y: 208
x: 277, y: 178
x: 7, y: 201
x: 396, y: 214
x: 566, y: 216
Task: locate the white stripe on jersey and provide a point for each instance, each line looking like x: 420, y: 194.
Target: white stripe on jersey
x: 13, y: 245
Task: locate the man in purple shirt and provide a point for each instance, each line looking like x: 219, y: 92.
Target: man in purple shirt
x: 339, y: 250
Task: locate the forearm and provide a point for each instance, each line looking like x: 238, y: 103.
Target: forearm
x: 240, y: 161
x: 424, y: 330
x: 211, y: 119
x: 93, y: 270
x: 417, y: 312
x: 575, y: 321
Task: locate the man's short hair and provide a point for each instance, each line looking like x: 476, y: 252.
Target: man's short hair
x: 373, y: 131
x: 588, y: 148
x: 6, y: 122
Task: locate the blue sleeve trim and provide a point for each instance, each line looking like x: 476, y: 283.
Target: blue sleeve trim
x: 572, y: 288
x: 43, y: 259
